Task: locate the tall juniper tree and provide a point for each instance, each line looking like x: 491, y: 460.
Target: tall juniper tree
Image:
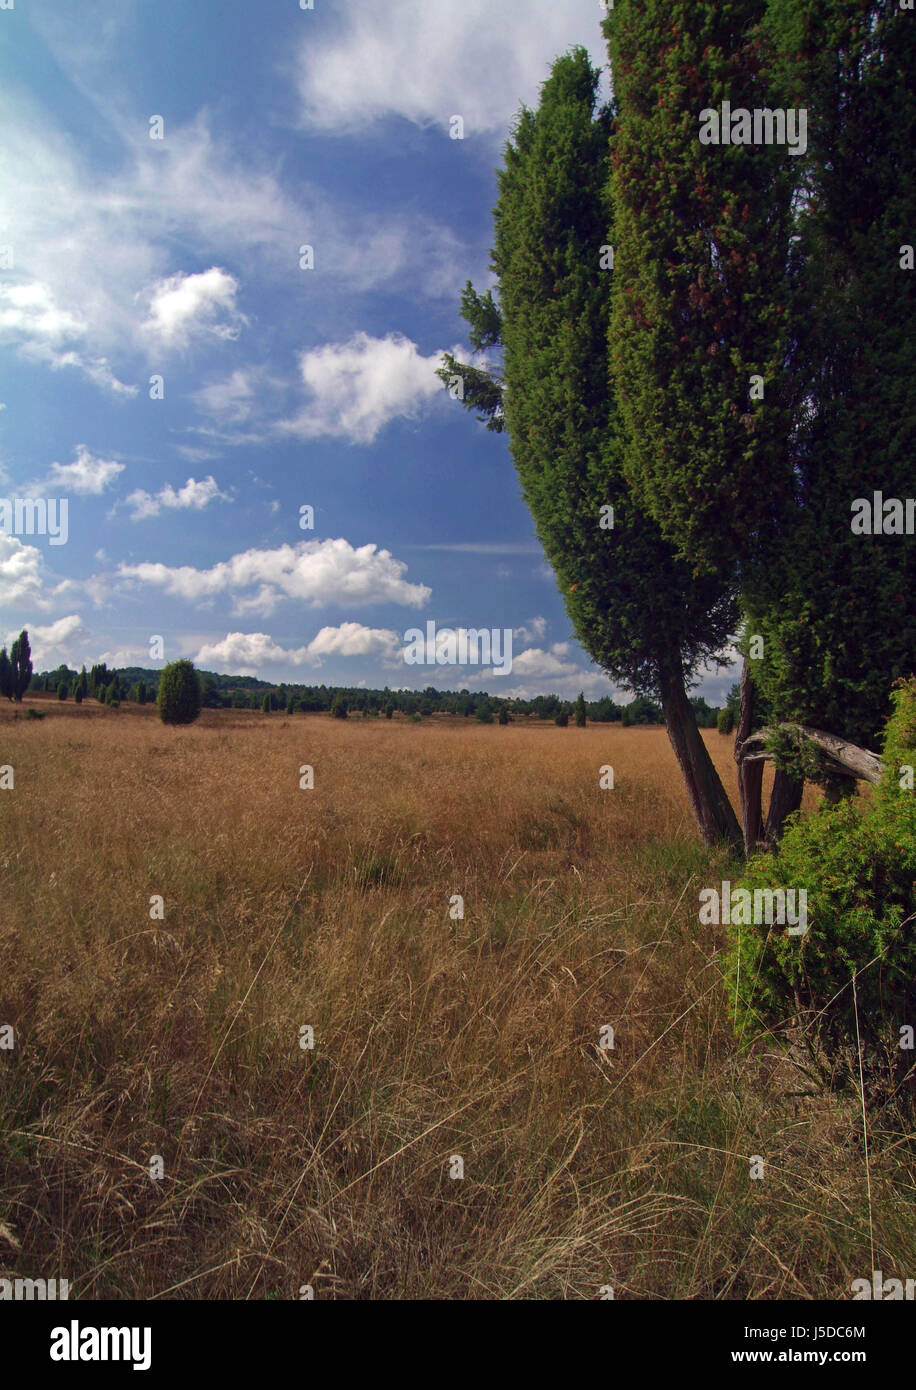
x: 837, y: 609
x: 21, y: 665
x: 640, y: 612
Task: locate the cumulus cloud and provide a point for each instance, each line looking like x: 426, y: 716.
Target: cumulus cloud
x: 425, y: 63
x: 194, y: 496
x: 54, y: 640
x: 353, y: 639
x: 313, y: 572
x: 21, y: 572
x: 246, y: 653
x: 88, y: 475
x: 183, y: 307
x: 358, y: 387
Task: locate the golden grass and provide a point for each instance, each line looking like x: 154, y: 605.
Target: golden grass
x: 433, y: 1037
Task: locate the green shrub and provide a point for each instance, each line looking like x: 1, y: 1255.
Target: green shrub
x: 34, y: 713
x: 725, y: 720
x: 562, y: 719
x: 62, y: 690
x: 853, y: 974
x: 179, y: 697
x: 338, y: 708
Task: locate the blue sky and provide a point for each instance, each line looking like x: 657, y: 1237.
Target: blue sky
x: 129, y: 258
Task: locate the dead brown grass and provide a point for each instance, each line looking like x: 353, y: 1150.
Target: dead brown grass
x: 433, y: 1037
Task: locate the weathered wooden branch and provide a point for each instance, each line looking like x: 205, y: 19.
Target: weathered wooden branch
x: 845, y: 759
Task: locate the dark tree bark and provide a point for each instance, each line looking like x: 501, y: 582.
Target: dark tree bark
x: 786, y: 798
x: 708, y: 800
x: 844, y: 759
x: 750, y: 773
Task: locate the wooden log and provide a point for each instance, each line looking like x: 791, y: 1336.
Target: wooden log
x: 845, y: 759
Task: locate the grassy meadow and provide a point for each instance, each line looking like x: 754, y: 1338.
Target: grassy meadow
x: 287, y: 1166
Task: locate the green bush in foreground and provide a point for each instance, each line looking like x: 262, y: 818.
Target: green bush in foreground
x: 852, y: 975
x: 179, y: 698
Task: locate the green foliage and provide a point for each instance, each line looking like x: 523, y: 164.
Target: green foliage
x: 6, y: 674
x: 21, y: 665
x: 562, y: 719
x: 702, y: 283
x: 62, y: 691
x: 179, y: 697
x: 725, y: 720
x: 837, y: 610
x: 339, y: 708
x: 503, y: 717
x: 636, y: 610
x: 858, y: 865
x: 642, y: 711
x: 32, y: 713
x: 266, y: 705
x: 78, y: 694
x: 580, y: 711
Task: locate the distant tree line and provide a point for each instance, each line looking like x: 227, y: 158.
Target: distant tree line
x: 109, y: 687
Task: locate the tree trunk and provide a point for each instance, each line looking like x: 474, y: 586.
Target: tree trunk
x: 750, y: 772
x: 786, y: 797
x: 708, y: 800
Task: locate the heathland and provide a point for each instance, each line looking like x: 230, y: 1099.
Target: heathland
x: 176, y: 1044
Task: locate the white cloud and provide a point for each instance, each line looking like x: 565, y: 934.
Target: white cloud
x: 21, y: 572
x: 54, y: 641
x: 532, y: 631
x: 31, y: 318
x: 88, y: 475
x: 353, y: 639
x: 232, y: 399
x: 193, y: 496
x: 358, y: 387
x: 426, y: 62
x: 314, y: 572
x: 183, y: 307
x: 536, y: 662
x: 245, y: 653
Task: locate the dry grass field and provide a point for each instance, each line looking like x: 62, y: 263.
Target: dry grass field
x: 287, y: 1166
